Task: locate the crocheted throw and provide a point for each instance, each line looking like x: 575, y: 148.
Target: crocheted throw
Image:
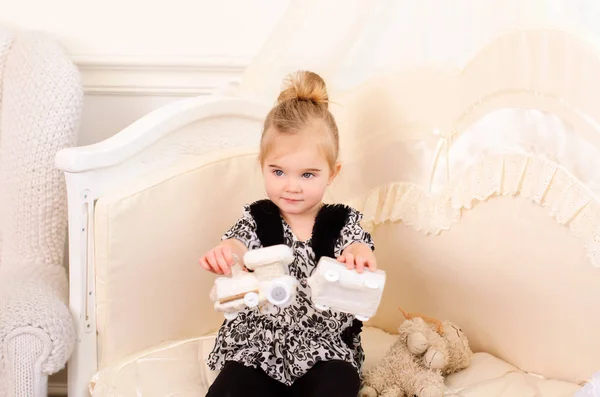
x: 40, y: 107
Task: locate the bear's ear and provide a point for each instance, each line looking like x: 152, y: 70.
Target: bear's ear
x: 439, y: 326
x: 406, y: 314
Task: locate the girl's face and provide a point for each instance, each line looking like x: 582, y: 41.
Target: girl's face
x: 296, y: 174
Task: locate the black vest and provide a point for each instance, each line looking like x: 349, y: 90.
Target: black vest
x: 328, y: 224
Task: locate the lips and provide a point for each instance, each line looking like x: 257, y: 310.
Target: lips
x: 291, y: 200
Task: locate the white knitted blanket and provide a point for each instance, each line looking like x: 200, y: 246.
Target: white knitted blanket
x: 40, y: 107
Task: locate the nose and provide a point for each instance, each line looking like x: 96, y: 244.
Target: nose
x: 293, y: 185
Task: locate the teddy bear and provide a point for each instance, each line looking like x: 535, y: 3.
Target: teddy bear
x: 425, y: 352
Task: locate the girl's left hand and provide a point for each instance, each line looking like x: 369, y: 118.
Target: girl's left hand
x: 358, y: 256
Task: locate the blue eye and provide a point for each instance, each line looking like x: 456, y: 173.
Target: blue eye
x: 278, y: 172
x: 308, y: 175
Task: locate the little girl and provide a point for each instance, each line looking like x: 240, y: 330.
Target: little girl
x: 296, y: 350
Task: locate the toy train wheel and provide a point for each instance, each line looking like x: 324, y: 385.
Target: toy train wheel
x: 251, y: 299
x: 332, y: 276
x: 279, y: 294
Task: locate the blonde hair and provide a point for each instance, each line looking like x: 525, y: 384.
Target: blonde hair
x: 302, y: 102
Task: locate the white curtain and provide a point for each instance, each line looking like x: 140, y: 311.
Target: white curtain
x: 347, y: 41
x: 350, y: 41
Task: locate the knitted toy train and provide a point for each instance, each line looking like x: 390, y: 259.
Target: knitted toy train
x: 267, y: 281
x: 333, y: 286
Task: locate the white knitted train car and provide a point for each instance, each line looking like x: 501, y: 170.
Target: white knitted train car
x: 267, y: 281
x: 334, y: 286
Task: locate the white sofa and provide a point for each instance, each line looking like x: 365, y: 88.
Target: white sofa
x: 40, y: 107
x: 481, y: 195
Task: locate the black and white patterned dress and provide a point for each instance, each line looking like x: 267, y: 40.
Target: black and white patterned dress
x: 286, y: 342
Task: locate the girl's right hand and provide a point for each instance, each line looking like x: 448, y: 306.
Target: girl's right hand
x: 218, y: 260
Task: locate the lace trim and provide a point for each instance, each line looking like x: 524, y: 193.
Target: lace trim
x: 541, y: 180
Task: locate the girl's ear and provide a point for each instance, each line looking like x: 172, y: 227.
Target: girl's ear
x: 336, y: 171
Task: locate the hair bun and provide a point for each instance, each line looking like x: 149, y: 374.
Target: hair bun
x: 304, y: 85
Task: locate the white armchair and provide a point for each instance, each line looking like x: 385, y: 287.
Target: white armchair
x: 40, y: 107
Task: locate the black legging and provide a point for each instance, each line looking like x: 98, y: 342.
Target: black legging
x: 327, y: 378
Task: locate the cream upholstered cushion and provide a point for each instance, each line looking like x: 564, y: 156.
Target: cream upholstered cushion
x: 488, y: 376
x: 179, y: 368
x: 520, y: 286
x: 149, y: 236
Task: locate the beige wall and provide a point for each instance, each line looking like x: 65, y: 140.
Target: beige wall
x: 137, y: 55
